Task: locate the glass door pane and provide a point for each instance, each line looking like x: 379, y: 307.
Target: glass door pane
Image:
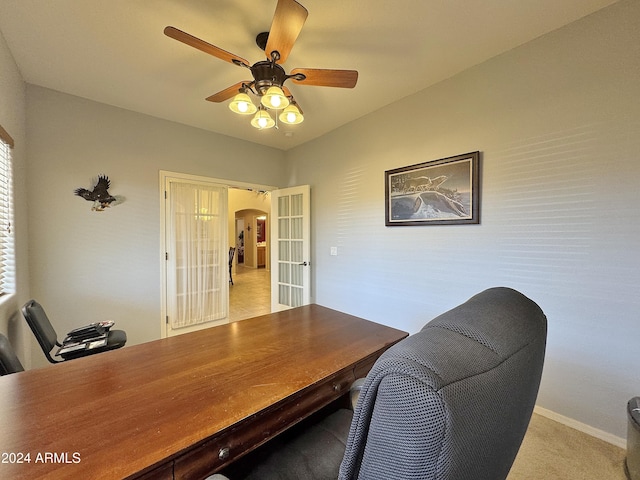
x: 290, y: 280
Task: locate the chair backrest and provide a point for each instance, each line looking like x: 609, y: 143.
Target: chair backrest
x: 453, y: 401
x: 9, y: 362
x: 41, y: 327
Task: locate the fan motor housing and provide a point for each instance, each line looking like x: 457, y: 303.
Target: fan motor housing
x: 267, y: 74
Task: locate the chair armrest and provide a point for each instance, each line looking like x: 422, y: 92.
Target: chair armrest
x: 354, y: 392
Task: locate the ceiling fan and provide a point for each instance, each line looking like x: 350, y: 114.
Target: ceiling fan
x: 268, y: 75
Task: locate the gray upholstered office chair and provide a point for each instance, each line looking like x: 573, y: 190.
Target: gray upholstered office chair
x: 9, y: 361
x: 47, y: 337
x: 451, y: 402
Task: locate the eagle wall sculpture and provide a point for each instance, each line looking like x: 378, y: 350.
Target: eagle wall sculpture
x: 99, y: 195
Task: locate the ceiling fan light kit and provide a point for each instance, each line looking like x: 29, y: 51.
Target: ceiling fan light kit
x: 242, y: 104
x: 268, y: 75
x: 262, y: 120
x: 274, y: 98
x: 291, y: 115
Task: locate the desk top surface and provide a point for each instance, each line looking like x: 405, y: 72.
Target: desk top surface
x: 114, y: 414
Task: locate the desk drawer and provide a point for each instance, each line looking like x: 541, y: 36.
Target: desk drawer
x: 240, y: 439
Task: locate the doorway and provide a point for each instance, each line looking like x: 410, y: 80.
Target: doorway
x: 288, y: 280
x: 202, y: 214
x: 250, y: 293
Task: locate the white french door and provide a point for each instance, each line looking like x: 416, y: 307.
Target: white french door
x: 290, y: 247
x: 196, y: 255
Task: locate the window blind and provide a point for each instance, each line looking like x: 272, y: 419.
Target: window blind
x: 7, y: 255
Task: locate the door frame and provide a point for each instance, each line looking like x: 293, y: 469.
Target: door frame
x: 165, y: 175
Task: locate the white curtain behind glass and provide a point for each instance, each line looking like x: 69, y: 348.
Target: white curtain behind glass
x: 199, y: 239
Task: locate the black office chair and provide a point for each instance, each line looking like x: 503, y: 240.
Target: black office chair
x: 232, y: 250
x: 47, y: 337
x: 9, y: 362
x: 451, y: 402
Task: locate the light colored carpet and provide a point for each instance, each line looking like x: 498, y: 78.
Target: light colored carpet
x: 552, y: 451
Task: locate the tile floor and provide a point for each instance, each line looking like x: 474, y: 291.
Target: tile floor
x: 250, y: 294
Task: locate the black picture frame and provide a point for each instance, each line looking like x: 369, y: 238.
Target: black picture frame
x: 439, y: 192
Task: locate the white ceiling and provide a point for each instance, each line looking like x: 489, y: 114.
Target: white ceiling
x: 115, y: 51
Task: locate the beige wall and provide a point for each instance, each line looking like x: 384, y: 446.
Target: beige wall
x: 13, y: 120
x: 558, y: 124
x: 557, y: 121
x: 96, y: 265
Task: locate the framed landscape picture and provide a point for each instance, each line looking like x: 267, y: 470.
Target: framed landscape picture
x: 439, y: 192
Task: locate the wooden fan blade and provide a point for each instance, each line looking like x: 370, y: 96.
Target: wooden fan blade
x: 227, y: 93
x: 287, y: 23
x: 326, y: 78
x: 204, y: 46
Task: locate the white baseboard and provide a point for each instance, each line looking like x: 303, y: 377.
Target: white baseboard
x: 582, y: 427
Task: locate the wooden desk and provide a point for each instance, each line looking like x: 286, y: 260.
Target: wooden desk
x: 185, y: 406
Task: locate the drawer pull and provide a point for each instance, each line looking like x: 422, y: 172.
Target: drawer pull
x: 223, y: 454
